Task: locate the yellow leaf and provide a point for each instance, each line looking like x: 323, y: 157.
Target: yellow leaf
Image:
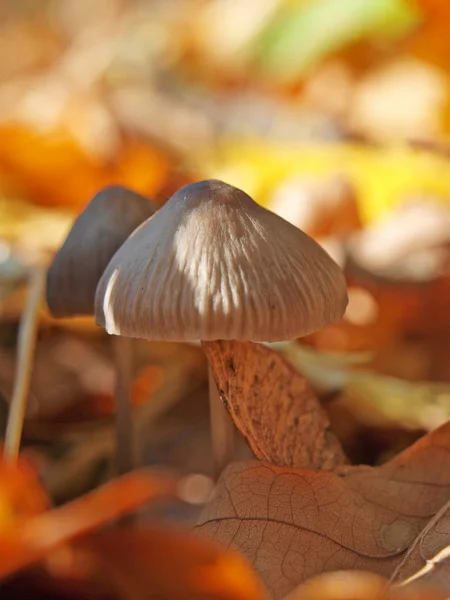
x: 382, y: 176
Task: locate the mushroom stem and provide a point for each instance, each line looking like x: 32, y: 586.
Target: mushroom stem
x: 222, y: 430
x: 123, y: 360
x: 26, y: 344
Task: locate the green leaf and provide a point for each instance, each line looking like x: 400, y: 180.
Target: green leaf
x: 305, y: 34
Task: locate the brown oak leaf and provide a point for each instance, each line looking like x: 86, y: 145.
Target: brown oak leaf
x: 273, y: 406
x: 293, y: 524
x: 428, y: 559
x: 357, y: 585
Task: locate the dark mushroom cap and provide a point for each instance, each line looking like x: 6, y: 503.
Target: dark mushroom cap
x: 97, y: 233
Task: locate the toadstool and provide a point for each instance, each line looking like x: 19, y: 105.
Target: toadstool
x: 97, y: 233
x: 213, y: 265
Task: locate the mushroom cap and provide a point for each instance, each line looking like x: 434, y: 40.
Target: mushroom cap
x: 96, y: 234
x: 213, y: 264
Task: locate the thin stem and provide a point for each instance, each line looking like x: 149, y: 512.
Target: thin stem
x: 26, y: 344
x: 123, y: 359
x: 222, y: 430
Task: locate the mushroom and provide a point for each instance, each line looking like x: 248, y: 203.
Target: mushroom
x: 214, y: 265
x: 97, y: 233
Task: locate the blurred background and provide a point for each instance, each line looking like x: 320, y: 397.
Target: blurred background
x: 333, y: 113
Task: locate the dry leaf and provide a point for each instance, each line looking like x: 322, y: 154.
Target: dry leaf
x: 51, y: 169
x: 21, y: 495
x: 36, y: 537
x: 392, y: 247
x: 259, y: 166
x: 382, y: 313
x: 142, y: 561
x: 149, y: 564
x: 273, y: 406
x: 381, y: 108
x: 356, y: 585
x: 321, y: 207
x: 341, y: 585
x: 27, y: 44
x: 294, y: 524
x: 430, y: 40
x: 428, y: 560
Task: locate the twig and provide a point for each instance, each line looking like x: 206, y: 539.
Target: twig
x: 26, y: 344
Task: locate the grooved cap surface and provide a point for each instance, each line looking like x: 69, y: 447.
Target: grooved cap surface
x: 97, y: 233
x: 213, y: 264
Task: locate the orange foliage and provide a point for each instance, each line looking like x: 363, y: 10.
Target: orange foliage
x: 38, y: 533
x: 51, y: 169
x: 123, y: 564
x: 430, y: 41
x: 21, y: 495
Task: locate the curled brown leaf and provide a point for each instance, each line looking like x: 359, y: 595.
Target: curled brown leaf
x: 273, y: 406
x: 428, y: 559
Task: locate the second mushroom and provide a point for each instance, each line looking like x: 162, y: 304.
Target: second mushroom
x: 108, y: 219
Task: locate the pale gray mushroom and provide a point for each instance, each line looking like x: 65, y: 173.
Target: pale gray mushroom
x: 72, y: 279
x: 212, y: 264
